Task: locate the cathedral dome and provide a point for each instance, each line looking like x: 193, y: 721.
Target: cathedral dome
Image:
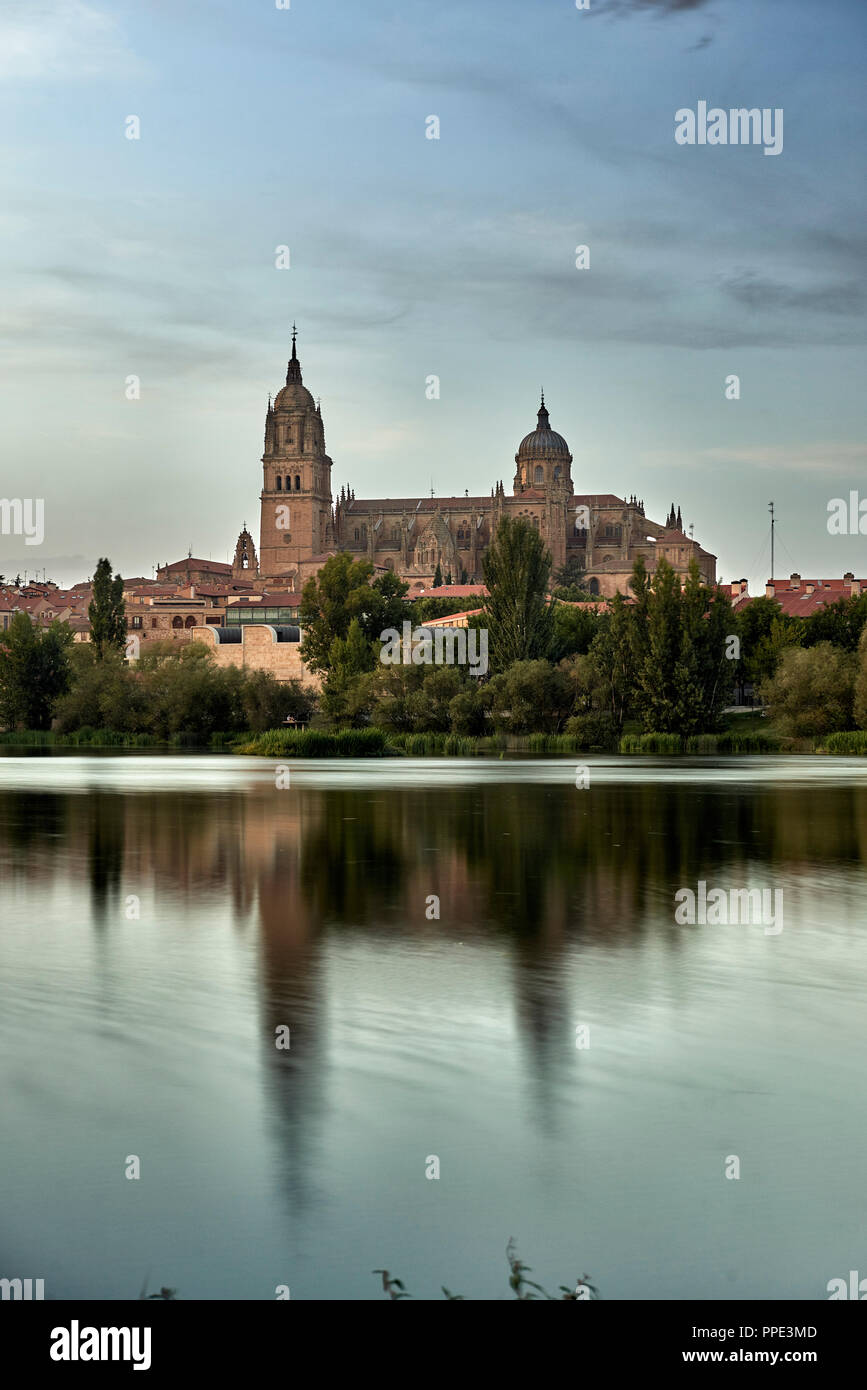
x: 543, y: 442
x: 294, y: 396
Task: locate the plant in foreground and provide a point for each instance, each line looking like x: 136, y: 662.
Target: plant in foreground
x: 518, y: 1283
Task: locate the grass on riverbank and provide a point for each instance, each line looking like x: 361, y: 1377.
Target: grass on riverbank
x: 744, y: 734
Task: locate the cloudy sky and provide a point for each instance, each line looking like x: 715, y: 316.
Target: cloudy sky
x: 305, y: 127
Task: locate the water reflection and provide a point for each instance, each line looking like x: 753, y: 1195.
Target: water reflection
x: 555, y: 905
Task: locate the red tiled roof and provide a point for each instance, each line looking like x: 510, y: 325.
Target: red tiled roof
x: 214, y: 566
x: 795, y: 601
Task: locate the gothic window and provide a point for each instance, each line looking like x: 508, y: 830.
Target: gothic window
x: 191, y: 622
x: 557, y: 472
x: 536, y: 522
x: 297, y: 482
x: 177, y: 622
x: 539, y: 475
x: 356, y: 533
x: 593, y: 586
x: 288, y: 483
x: 279, y: 483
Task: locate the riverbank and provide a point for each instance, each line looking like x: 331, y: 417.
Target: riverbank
x: 745, y: 737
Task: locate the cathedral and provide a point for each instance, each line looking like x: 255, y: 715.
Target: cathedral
x: 302, y: 524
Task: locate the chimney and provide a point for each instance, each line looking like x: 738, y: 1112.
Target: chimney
x: 810, y: 586
x: 769, y: 589
x: 795, y: 581
x: 848, y: 577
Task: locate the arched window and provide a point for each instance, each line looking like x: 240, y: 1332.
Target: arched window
x: 279, y: 483
x: 539, y: 475
x: 177, y: 622
x: 297, y: 482
x: 558, y: 472
x: 288, y: 483
x: 356, y: 533
x: 191, y: 622
x: 593, y: 586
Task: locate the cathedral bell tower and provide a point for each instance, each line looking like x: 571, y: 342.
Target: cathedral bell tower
x: 296, y: 484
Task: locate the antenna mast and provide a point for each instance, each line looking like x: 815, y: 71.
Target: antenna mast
x: 771, y: 510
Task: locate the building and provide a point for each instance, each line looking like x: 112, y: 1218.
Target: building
x: 302, y: 523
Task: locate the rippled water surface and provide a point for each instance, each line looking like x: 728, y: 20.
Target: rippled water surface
x: 162, y: 917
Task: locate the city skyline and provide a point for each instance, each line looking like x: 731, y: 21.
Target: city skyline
x: 413, y: 257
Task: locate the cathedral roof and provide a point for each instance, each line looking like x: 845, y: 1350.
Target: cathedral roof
x: 543, y: 442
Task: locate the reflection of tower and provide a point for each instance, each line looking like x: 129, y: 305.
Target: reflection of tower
x: 296, y: 483
x: 289, y: 993
x: 105, y: 850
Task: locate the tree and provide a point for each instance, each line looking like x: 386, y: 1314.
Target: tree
x: 531, y: 696
x: 102, y: 695
x: 812, y: 691
x: 517, y: 612
x: 106, y: 612
x: 438, y: 577
x: 574, y: 630
x: 348, y: 658
x: 340, y: 593
x: 860, y: 708
x: 570, y: 575
x: 268, y: 703
x: 658, y: 675
x: 613, y: 653
x: 34, y: 671
x: 840, y: 623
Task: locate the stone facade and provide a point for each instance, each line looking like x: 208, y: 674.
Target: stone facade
x: 259, y: 647
x: 301, y: 524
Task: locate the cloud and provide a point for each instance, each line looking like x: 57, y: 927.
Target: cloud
x: 753, y: 292
x: 659, y: 8
x: 59, y: 39
x: 826, y: 457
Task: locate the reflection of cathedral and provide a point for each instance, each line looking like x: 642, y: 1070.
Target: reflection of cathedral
x: 301, y: 525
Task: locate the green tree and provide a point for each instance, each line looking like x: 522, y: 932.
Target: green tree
x: 860, y: 691
x: 268, y: 703
x: 517, y: 613
x: 812, y: 691
x: 34, y: 671
x: 531, y: 696
x: 348, y: 658
x: 571, y: 575
x: 840, y: 623
x: 574, y: 630
x: 438, y: 577
x: 107, y: 612
x: 103, y: 694
x: 342, y: 593
x: 614, y: 657
x: 659, y: 677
